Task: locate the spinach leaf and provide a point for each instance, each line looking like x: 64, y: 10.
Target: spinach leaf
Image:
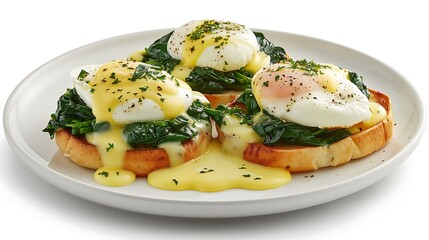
x: 156, y: 132
x: 208, y: 80
x: 216, y: 114
x: 73, y: 113
x: 196, y: 111
x: 247, y: 98
x: 274, y: 130
x: 276, y: 53
x: 78, y: 127
x: 358, y: 81
x: 250, y: 105
x: 157, y: 54
x: 175, y: 130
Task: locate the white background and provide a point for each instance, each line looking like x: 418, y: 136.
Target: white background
x: 33, y: 32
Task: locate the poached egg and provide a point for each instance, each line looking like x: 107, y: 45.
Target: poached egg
x: 123, y: 92
x: 221, y: 45
x: 156, y: 96
x: 310, y: 94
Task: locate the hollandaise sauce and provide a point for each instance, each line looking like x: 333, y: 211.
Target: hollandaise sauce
x: 113, y: 176
x: 116, y: 90
x: 216, y: 35
x: 378, y: 113
x: 223, y: 46
x: 217, y: 171
x: 120, y: 88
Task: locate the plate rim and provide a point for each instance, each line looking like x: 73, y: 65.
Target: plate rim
x: 22, y: 152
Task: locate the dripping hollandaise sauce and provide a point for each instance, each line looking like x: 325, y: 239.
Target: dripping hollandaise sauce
x: 215, y: 170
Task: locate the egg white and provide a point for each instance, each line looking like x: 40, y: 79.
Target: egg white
x: 82, y: 87
x: 327, y: 100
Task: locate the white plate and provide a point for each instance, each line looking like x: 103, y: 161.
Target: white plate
x: 34, y: 99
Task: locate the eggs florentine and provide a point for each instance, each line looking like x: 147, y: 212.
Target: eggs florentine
x: 291, y: 116
x: 124, y: 92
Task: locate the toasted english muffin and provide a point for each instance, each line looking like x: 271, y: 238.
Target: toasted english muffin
x: 309, y: 158
x: 140, y: 161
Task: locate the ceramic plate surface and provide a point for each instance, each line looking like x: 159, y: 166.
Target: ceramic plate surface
x: 34, y: 99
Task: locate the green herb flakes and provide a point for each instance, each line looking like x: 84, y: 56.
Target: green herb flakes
x: 110, y: 146
x: 104, y: 173
x: 82, y: 75
x: 175, y: 181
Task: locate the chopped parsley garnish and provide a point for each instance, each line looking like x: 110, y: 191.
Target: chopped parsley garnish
x: 265, y: 84
x: 104, y: 173
x: 310, y: 67
x: 112, y: 75
x: 110, y: 146
x: 147, y: 72
x: 144, y: 89
x: 82, y: 75
x: 175, y: 181
x: 218, y: 38
x: 207, y: 27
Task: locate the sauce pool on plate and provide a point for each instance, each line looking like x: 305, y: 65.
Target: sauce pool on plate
x: 217, y: 171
